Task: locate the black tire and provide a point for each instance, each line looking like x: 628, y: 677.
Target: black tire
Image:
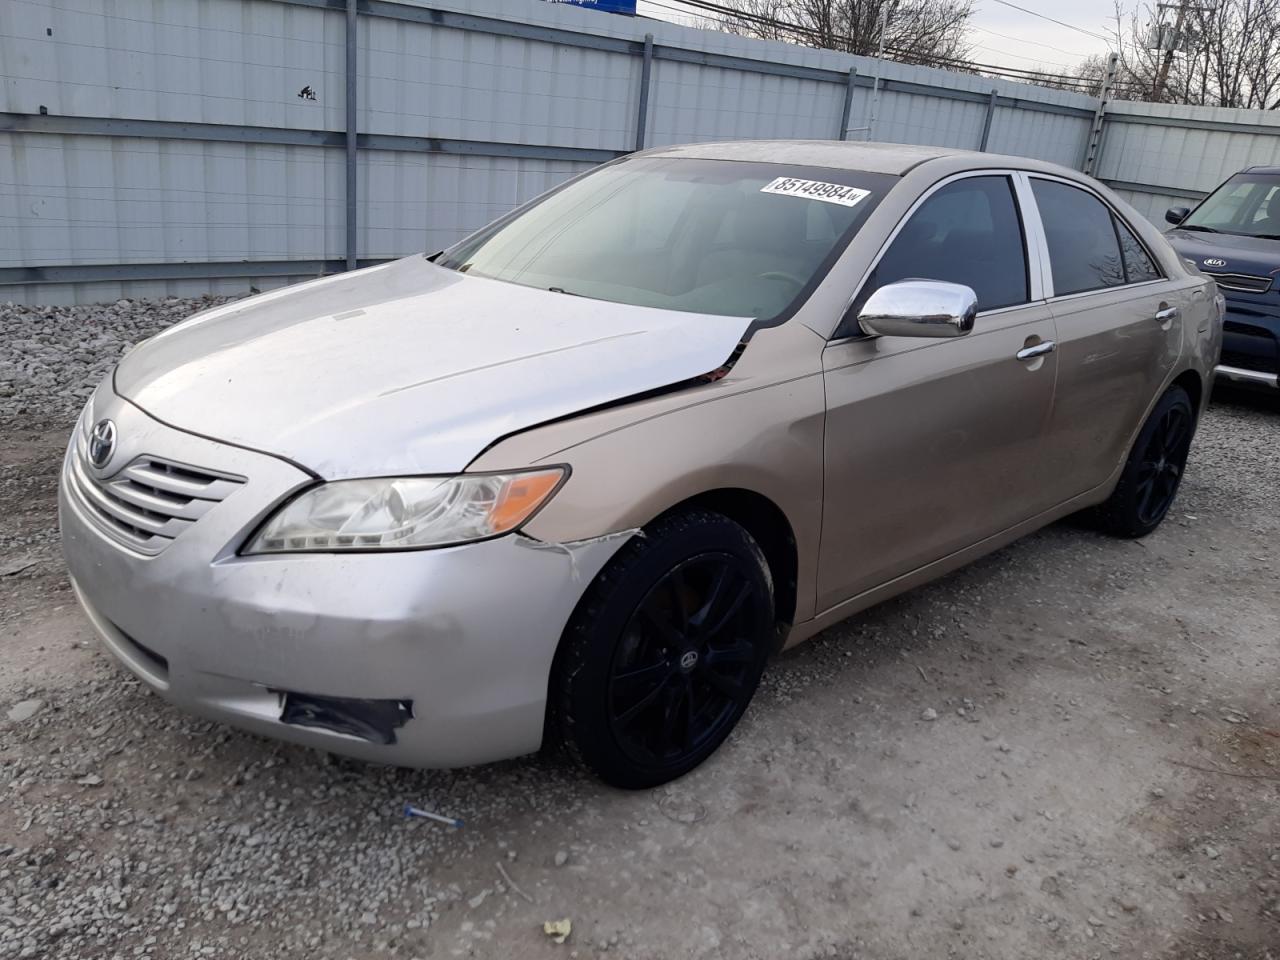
x: 665, y: 650
x: 1149, y: 483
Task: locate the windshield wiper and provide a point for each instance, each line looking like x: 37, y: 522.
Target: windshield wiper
x: 1267, y: 236
x: 1196, y: 226
x: 568, y: 293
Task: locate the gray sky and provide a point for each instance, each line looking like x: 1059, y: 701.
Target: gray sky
x: 1003, y: 35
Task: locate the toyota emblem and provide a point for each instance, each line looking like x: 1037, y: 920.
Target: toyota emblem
x: 102, y: 443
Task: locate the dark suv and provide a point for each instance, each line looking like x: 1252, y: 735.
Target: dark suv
x: 1234, y: 236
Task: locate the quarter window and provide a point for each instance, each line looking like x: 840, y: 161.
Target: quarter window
x: 967, y: 232
x: 1138, y: 265
x: 1084, y: 251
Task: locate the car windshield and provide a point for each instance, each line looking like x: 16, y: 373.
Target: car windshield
x: 705, y: 236
x: 1248, y: 204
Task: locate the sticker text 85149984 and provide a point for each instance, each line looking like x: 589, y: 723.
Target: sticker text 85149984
x: 816, y: 190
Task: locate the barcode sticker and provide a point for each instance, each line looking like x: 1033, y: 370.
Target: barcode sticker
x: 817, y: 190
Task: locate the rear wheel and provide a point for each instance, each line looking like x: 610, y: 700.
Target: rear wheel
x: 665, y: 650
x: 1153, y: 472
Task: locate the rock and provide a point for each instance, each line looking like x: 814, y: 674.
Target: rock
x: 24, y: 710
x: 90, y: 780
x: 1212, y: 852
x: 929, y: 715
x: 561, y: 858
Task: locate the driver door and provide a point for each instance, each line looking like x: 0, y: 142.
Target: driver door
x: 934, y: 445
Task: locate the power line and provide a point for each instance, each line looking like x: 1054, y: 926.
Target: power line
x: 1038, y: 43
x: 1020, y: 56
x: 1017, y: 74
x: 1088, y: 33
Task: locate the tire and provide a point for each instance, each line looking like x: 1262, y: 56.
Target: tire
x: 1152, y: 474
x: 665, y: 650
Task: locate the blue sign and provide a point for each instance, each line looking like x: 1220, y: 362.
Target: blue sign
x: 608, y: 6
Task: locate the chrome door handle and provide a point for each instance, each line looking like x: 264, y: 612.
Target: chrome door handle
x: 1037, y: 350
x: 1166, y: 314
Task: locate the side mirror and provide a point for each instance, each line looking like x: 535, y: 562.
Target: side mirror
x: 1176, y: 215
x: 919, y: 308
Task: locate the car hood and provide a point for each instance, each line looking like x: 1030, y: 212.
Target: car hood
x: 1248, y: 255
x: 408, y: 368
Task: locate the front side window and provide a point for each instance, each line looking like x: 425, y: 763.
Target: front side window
x: 966, y: 232
x: 708, y: 236
x: 1084, y: 251
x: 1248, y: 204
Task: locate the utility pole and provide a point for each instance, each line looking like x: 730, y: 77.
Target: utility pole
x: 1175, y: 41
x: 873, y: 104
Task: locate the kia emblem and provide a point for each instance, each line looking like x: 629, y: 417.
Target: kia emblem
x: 1215, y: 262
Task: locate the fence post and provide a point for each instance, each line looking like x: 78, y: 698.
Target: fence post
x: 986, y: 123
x: 352, y: 237
x: 646, y: 71
x: 1093, y: 152
x: 848, y: 103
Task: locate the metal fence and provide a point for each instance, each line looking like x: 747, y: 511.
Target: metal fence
x: 152, y: 147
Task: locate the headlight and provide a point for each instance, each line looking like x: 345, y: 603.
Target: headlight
x: 405, y: 513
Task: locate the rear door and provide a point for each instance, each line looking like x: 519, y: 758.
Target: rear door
x: 933, y: 445
x: 1118, y: 329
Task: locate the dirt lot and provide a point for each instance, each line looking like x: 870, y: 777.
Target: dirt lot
x: 1102, y: 778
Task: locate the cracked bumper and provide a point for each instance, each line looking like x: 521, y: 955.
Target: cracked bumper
x: 466, y: 634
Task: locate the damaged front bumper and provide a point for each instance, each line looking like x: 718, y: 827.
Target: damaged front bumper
x: 431, y: 658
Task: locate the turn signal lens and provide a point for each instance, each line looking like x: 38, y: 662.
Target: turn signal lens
x: 520, y: 496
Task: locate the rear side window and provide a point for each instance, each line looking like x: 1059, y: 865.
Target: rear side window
x: 967, y: 232
x: 1138, y: 265
x: 1084, y: 252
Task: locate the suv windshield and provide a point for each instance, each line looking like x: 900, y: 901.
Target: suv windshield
x: 1247, y: 204
x: 706, y: 236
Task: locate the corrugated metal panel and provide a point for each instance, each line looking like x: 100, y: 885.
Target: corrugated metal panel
x: 81, y: 199
x: 75, y: 198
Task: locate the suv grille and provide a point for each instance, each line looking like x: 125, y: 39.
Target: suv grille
x: 1242, y: 282
x: 151, y: 501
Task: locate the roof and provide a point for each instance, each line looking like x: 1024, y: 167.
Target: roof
x: 1269, y: 171
x: 893, y: 158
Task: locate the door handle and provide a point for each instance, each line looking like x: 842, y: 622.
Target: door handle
x: 1166, y: 314
x: 1037, y: 350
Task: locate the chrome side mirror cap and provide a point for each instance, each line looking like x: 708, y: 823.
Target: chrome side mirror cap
x: 919, y: 308
x: 1176, y: 215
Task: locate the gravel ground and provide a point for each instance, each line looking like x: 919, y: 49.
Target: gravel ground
x: 1070, y: 749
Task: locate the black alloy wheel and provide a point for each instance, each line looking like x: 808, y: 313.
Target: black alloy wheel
x: 1151, y: 476
x: 665, y: 650
x: 1162, y: 464
x: 683, y: 668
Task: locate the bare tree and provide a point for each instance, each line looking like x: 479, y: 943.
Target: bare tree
x: 928, y: 32
x: 1228, y: 55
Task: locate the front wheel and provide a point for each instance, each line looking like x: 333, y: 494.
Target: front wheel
x: 1153, y: 472
x: 665, y: 650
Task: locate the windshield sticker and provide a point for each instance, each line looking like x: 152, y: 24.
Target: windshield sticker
x: 817, y: 190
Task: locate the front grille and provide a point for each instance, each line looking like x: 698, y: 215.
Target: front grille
x: 1242, y: 282
x: 149, y: 503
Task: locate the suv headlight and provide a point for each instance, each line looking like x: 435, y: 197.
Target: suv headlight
x: 405, y: 513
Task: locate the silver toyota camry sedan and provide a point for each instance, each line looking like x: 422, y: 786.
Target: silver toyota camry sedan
x: 575, y: 479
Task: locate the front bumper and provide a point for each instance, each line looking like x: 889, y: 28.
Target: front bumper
x: 1251, y: 341
x: 462, y: 637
